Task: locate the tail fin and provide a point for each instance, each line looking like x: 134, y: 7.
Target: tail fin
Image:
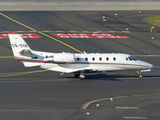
x: 18, y: 45
x: 21, y: 51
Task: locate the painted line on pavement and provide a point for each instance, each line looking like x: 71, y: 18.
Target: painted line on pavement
x: 40, y: 32
x: 16, y: 21
x: 120, y: 107
x: 60, y: 42
x: 47, y: 31
x: 84, y: 106
x: 20, y: 73
x: 138, y: 118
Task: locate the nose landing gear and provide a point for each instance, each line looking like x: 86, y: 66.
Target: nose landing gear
x: 140, y: 73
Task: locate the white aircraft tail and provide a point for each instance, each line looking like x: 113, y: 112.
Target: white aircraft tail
x: 18, y: 45
x: 21, y: 50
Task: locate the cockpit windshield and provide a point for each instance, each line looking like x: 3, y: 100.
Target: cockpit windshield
x: 131, y: 58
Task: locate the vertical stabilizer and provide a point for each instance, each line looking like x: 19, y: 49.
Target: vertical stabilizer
x: 18, y: 45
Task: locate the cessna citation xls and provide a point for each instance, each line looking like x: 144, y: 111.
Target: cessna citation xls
x: 79, y: 64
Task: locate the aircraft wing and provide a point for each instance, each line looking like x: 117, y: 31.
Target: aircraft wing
x: 65, y: 68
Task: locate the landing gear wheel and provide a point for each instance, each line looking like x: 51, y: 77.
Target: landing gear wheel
x: 81, y: 77
x: 140, y: 75
x: 76, y: 75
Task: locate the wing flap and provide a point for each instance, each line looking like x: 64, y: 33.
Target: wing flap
x: 65, y: 70
x: 29, y: 64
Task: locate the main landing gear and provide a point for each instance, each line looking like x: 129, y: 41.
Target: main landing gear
x: 80, y: 75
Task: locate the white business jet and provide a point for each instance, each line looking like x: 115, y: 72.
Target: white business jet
x: 79, y: 64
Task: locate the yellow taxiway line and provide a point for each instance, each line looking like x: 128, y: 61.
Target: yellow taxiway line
x: 20, y: 73
x: 47, y: 31
x: 34, y: 30
x: 85, y: 106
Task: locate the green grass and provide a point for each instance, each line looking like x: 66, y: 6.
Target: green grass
x: 153, y: 20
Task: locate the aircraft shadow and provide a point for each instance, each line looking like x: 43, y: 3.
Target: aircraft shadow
x: 116, y: 77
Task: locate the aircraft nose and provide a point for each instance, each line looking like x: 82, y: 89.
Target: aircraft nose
x: 149, y: 65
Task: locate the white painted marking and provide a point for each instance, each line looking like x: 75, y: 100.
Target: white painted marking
x: 118, y: 97
x: 90, y: 102
x: 143, y: 118
x: 77, y: 35
x: 126, y: 107
x: 28, y: 35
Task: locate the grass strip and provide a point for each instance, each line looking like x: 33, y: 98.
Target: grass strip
x: 153, y: 20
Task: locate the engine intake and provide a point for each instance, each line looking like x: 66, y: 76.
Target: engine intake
x: 61, y: 58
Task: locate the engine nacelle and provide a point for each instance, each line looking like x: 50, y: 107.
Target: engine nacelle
x: 61, y: 58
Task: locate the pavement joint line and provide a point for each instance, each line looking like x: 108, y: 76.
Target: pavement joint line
x: 60, y: 42
x: 16, y: 21
x: 40, y: 32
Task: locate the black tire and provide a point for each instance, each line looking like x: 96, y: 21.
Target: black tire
x: 76, y: 75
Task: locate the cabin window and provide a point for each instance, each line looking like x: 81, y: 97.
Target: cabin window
x: 93, y: 58
x: 77, y: 59
x: 100, y: 58
x: 107, y: 58
x: 34, y: 57
x: 114, y: 58
x: 86, y: 59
